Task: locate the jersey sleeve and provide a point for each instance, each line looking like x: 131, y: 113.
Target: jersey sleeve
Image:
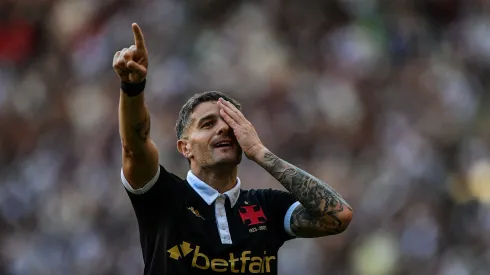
x: 149, y: 201
x: 281, y: 205
x: 151, y: 204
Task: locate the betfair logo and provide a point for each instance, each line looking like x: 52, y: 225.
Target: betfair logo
x: 245, y: 263
x: 185, y: 247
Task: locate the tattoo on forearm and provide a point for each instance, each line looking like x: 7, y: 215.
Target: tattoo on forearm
x: 142, y: 128
x: 318, y: 198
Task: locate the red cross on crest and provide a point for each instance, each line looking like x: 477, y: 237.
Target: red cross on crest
x: 252, y: 215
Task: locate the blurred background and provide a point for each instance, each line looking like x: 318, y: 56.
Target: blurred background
x: 385, y: 100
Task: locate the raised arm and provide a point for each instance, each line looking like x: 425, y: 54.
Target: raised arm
x: 139, y: 152
x: 322, y: 211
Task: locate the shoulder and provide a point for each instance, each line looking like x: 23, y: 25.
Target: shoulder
x: 255, y: 193
x: 167, y: 175
x: 264, y: 193
x: 163, y: 182
x: 268, y: 196
x: 169, y: 181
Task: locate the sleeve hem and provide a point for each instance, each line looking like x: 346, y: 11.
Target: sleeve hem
x: 287, y: 219
x: 143, y: 189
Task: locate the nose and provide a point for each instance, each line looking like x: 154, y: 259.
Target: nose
x: 223, y: 127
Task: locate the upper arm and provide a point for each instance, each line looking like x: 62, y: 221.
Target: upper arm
x: 306, y: 226
x: 141, y: 167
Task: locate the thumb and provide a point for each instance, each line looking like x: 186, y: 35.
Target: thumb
x: 137, y: 68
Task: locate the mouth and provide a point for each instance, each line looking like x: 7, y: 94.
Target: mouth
x: 224, y: 144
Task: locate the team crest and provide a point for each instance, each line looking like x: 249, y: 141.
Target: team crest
x: 252, y: 215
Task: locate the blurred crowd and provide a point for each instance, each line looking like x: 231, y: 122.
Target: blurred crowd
x: 385, y: 100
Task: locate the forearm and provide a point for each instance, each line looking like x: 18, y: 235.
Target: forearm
x: 316, y: 196
x: 134, y: 123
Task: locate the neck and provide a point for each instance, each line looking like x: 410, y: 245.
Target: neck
x: 220, y: 178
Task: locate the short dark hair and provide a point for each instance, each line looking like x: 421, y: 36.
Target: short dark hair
x: 186, y: 110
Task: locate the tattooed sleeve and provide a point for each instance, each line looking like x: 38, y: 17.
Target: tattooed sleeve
x: 322, y: 211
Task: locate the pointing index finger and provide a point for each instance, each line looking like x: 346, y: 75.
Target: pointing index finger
x: 139, y: 40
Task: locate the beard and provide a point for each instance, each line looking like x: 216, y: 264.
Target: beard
x: 230, y: 156
x: 211, y: 157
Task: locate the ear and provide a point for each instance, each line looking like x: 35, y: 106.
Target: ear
x: 184, y: 147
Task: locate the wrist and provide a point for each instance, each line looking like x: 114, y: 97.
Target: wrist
x: 133, y: 89
x: 259, y: 153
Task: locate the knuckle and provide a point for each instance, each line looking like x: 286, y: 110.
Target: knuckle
x: 121, y: 62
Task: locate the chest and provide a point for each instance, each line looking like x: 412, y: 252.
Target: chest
x: 219, y: 227
x: 221, y: 238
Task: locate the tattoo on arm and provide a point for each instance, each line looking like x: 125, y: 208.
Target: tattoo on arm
x: 142, y: 128
x: 320, y: 203
x: 306, y: 225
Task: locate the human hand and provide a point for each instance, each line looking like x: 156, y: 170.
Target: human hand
x: 131, y: 64
x: 244, y: 131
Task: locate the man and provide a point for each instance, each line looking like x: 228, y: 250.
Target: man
x: 206, y: 224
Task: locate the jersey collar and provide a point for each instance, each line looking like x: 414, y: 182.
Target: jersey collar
x: 208, y: 193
